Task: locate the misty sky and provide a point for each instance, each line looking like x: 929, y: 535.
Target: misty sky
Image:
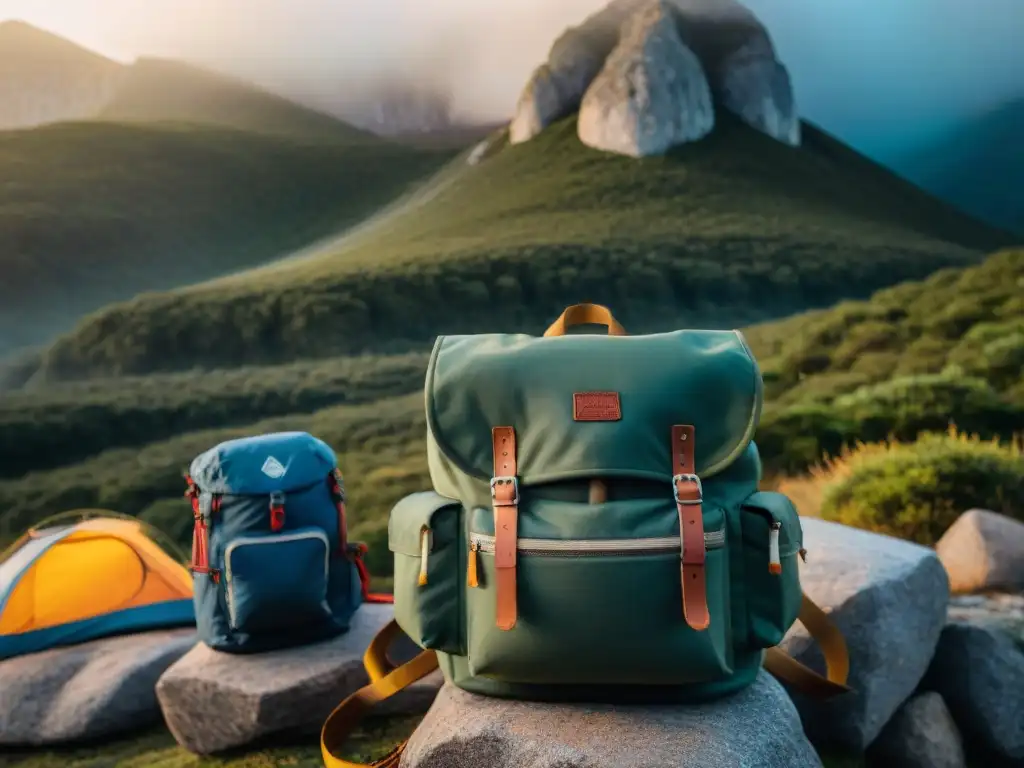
x: 882, y: 74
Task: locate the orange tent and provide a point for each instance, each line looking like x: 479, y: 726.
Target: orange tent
x: 85, y: 575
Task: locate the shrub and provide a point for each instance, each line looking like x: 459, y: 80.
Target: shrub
x: 906, y: 406
x: 793, y: 439
x: 916, y: 490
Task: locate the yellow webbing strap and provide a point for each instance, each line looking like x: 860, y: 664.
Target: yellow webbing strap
x: 833, y: 646
x: 385, y: 681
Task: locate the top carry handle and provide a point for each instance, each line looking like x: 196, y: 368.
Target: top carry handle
x: 585, y: 314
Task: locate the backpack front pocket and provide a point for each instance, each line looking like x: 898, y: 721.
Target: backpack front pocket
x: 276, y: 582
x: 772, y: 541
x: 424, y: 534
x: 585, y: 604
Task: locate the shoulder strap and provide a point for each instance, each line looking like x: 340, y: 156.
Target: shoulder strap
x: 385, y: 681
x: 833, y: 646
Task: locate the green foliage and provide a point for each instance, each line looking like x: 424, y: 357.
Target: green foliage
x: 964, y: 322
x: 59, y: 425
x: 917, y: 490
x: 381, y: 450
x: 373, y: 739
x: 906, y: 406
x: 793, y: 437
x: 96, y: 212
x: 733, y: 229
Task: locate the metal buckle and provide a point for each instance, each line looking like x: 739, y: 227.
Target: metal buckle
x: 676, y: 479
x: 502, y: 480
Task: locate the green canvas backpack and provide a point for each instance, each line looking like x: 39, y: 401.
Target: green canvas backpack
x: 596, y: 531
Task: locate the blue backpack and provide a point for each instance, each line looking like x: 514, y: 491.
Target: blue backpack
x: 271, y: 561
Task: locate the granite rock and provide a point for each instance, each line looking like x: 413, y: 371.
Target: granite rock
x: 94, y: 690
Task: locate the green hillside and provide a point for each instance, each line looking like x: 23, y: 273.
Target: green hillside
x: 737, y: 228
x: 157, y: 90
x: 93, y: 213
x: 954, y: 351
x: 917, y: 356
x: 979, y: 167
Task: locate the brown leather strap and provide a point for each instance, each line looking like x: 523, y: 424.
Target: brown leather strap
x: 689, y: 497
x: 585, y: 314
x: 833, y: 646
x: 505, y: 497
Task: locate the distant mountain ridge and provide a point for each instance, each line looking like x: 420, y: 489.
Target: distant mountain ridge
x: 45, y: 79
x: 979, y: 167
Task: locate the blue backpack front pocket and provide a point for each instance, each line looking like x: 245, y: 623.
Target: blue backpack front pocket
x: 276, y: 582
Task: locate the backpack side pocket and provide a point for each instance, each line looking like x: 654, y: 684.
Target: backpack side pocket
x: 772, y: 542
x: 424, y: 534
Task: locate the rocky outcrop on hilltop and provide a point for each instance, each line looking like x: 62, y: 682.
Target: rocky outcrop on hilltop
x: 651, y: 93
x: 621, y: 67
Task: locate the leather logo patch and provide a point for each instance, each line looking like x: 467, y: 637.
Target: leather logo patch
x: 596, y: 406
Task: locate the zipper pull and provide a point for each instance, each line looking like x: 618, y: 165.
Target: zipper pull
x: 424, y: 554
x: 471, y: 575
x: 774, y: 562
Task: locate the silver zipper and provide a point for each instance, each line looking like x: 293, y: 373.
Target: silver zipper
x: 585, y: 547
x: 244, y: 541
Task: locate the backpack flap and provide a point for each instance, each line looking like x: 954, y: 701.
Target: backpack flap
x: 263, y: 465
x: 589, y: 406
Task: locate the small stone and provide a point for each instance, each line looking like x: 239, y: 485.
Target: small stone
x: 980, y: 675
x: 921, y: 734
x: 983, y: 550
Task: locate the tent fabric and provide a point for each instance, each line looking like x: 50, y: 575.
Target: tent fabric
x: 85, y: 580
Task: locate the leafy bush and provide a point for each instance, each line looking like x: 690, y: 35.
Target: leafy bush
x: 791, y: 440
x: 969, y: 318
x: 917, y: 490
x: 60, y: 425
x: 906, y: 406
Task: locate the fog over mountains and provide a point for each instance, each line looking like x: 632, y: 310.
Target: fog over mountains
x: 884, y: 76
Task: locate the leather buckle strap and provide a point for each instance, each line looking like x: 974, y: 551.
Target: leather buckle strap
x: 505, y: 498
x: 689, y: 497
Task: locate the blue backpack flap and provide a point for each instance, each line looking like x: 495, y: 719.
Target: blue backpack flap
x: 271, y: 561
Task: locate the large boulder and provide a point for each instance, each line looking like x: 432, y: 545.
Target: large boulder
x: 736, y: 56
x: 95, y: 690
x: 756, y: 87
x: 651, y: 94
x: 556, y: 87
x: 889, y: 599
x: 214, y: 701
x: 922, y: 734
x: 980, y: 674
x: 983, y: 550
x: 757, y: 726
